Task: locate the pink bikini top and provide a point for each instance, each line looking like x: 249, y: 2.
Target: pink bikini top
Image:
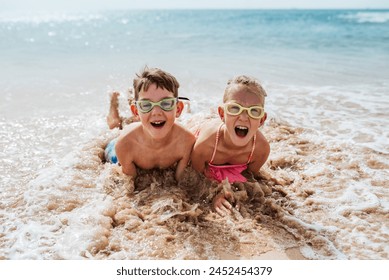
x: 230, y: 171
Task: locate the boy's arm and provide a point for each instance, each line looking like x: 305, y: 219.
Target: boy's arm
x: 129, y: 169
x: 183, y: 163
x: 125, y: 159
x: 198, y: 158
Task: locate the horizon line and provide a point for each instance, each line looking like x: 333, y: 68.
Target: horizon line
x: 190, y: 8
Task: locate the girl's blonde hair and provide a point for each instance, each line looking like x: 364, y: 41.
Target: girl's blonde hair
x: 244, y: 83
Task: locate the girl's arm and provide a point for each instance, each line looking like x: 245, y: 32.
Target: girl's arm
x: 262, y: 151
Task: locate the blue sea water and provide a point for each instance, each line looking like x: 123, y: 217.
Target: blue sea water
x: 326, y: 71
x: 53, y: 53
x: 309, y: 46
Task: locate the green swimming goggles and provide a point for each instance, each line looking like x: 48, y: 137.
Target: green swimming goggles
x: 235, y: 109
x: 166, y: 104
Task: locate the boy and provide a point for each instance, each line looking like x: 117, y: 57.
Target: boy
x: 156, y: 141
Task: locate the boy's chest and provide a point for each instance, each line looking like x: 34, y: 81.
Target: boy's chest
x: 148, y: 158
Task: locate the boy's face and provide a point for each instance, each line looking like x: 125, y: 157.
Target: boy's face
x: 157, y: 122
x: 241, y: 128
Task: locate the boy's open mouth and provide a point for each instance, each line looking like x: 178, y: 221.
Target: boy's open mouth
x: 241, y: 131
x: 158, y: 124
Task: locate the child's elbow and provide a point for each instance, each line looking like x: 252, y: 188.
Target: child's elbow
x: 197, y: 165
x: 266, y: 150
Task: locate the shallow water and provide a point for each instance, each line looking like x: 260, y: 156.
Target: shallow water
x: 323, y: 190
x: 330, y: 200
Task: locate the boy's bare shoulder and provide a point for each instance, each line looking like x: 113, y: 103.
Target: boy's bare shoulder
x: 130, y: 130
x: 184, y: 134
x: 128, y: 135
x: 181, y: 129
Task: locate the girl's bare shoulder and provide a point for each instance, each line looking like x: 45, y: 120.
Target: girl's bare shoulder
x: 262, y: 145
x: 209, y: 128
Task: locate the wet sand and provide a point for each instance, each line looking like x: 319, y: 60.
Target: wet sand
x: 310, y: 202
x: 281, y: 216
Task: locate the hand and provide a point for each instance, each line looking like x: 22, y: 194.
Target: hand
x: 221, y: 203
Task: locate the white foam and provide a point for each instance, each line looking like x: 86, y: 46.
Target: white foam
x: 39, y: 18
x: 367, y: 17
x: 348, y: 114
x: 357, y: 198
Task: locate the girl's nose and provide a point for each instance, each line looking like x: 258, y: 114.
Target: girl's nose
x: 244, y: 115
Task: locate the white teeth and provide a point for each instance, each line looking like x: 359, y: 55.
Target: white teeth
x: 157, y: 122
x: 241, y: 127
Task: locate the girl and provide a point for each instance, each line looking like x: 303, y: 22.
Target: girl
x: 227, y: 146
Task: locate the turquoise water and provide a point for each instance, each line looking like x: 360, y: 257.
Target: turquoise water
x: 51, y: 56
x: 351, y: 44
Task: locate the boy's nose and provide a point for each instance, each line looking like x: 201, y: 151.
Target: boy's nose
x: 156, y: 110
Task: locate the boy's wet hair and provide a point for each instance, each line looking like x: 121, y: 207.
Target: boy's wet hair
x: 247, y: 83
x: 155, y: 76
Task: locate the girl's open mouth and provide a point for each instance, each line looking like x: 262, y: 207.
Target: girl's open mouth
x: 241, y: 131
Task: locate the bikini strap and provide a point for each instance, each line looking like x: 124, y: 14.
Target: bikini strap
x: 252, y: 150
x: 216, y: 142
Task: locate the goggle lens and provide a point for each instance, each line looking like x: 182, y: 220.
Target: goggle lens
x: 166, y: 104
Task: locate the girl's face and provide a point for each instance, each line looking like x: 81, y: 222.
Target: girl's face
x: 242, y: 128
x: 157, y: 122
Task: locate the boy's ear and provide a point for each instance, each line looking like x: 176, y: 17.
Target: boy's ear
x: 134, y: 110
x: 180, y: 108
x: 220, y: 110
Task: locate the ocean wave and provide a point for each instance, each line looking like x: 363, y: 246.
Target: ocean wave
x: 332, y: 111
x: 367, y: 17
